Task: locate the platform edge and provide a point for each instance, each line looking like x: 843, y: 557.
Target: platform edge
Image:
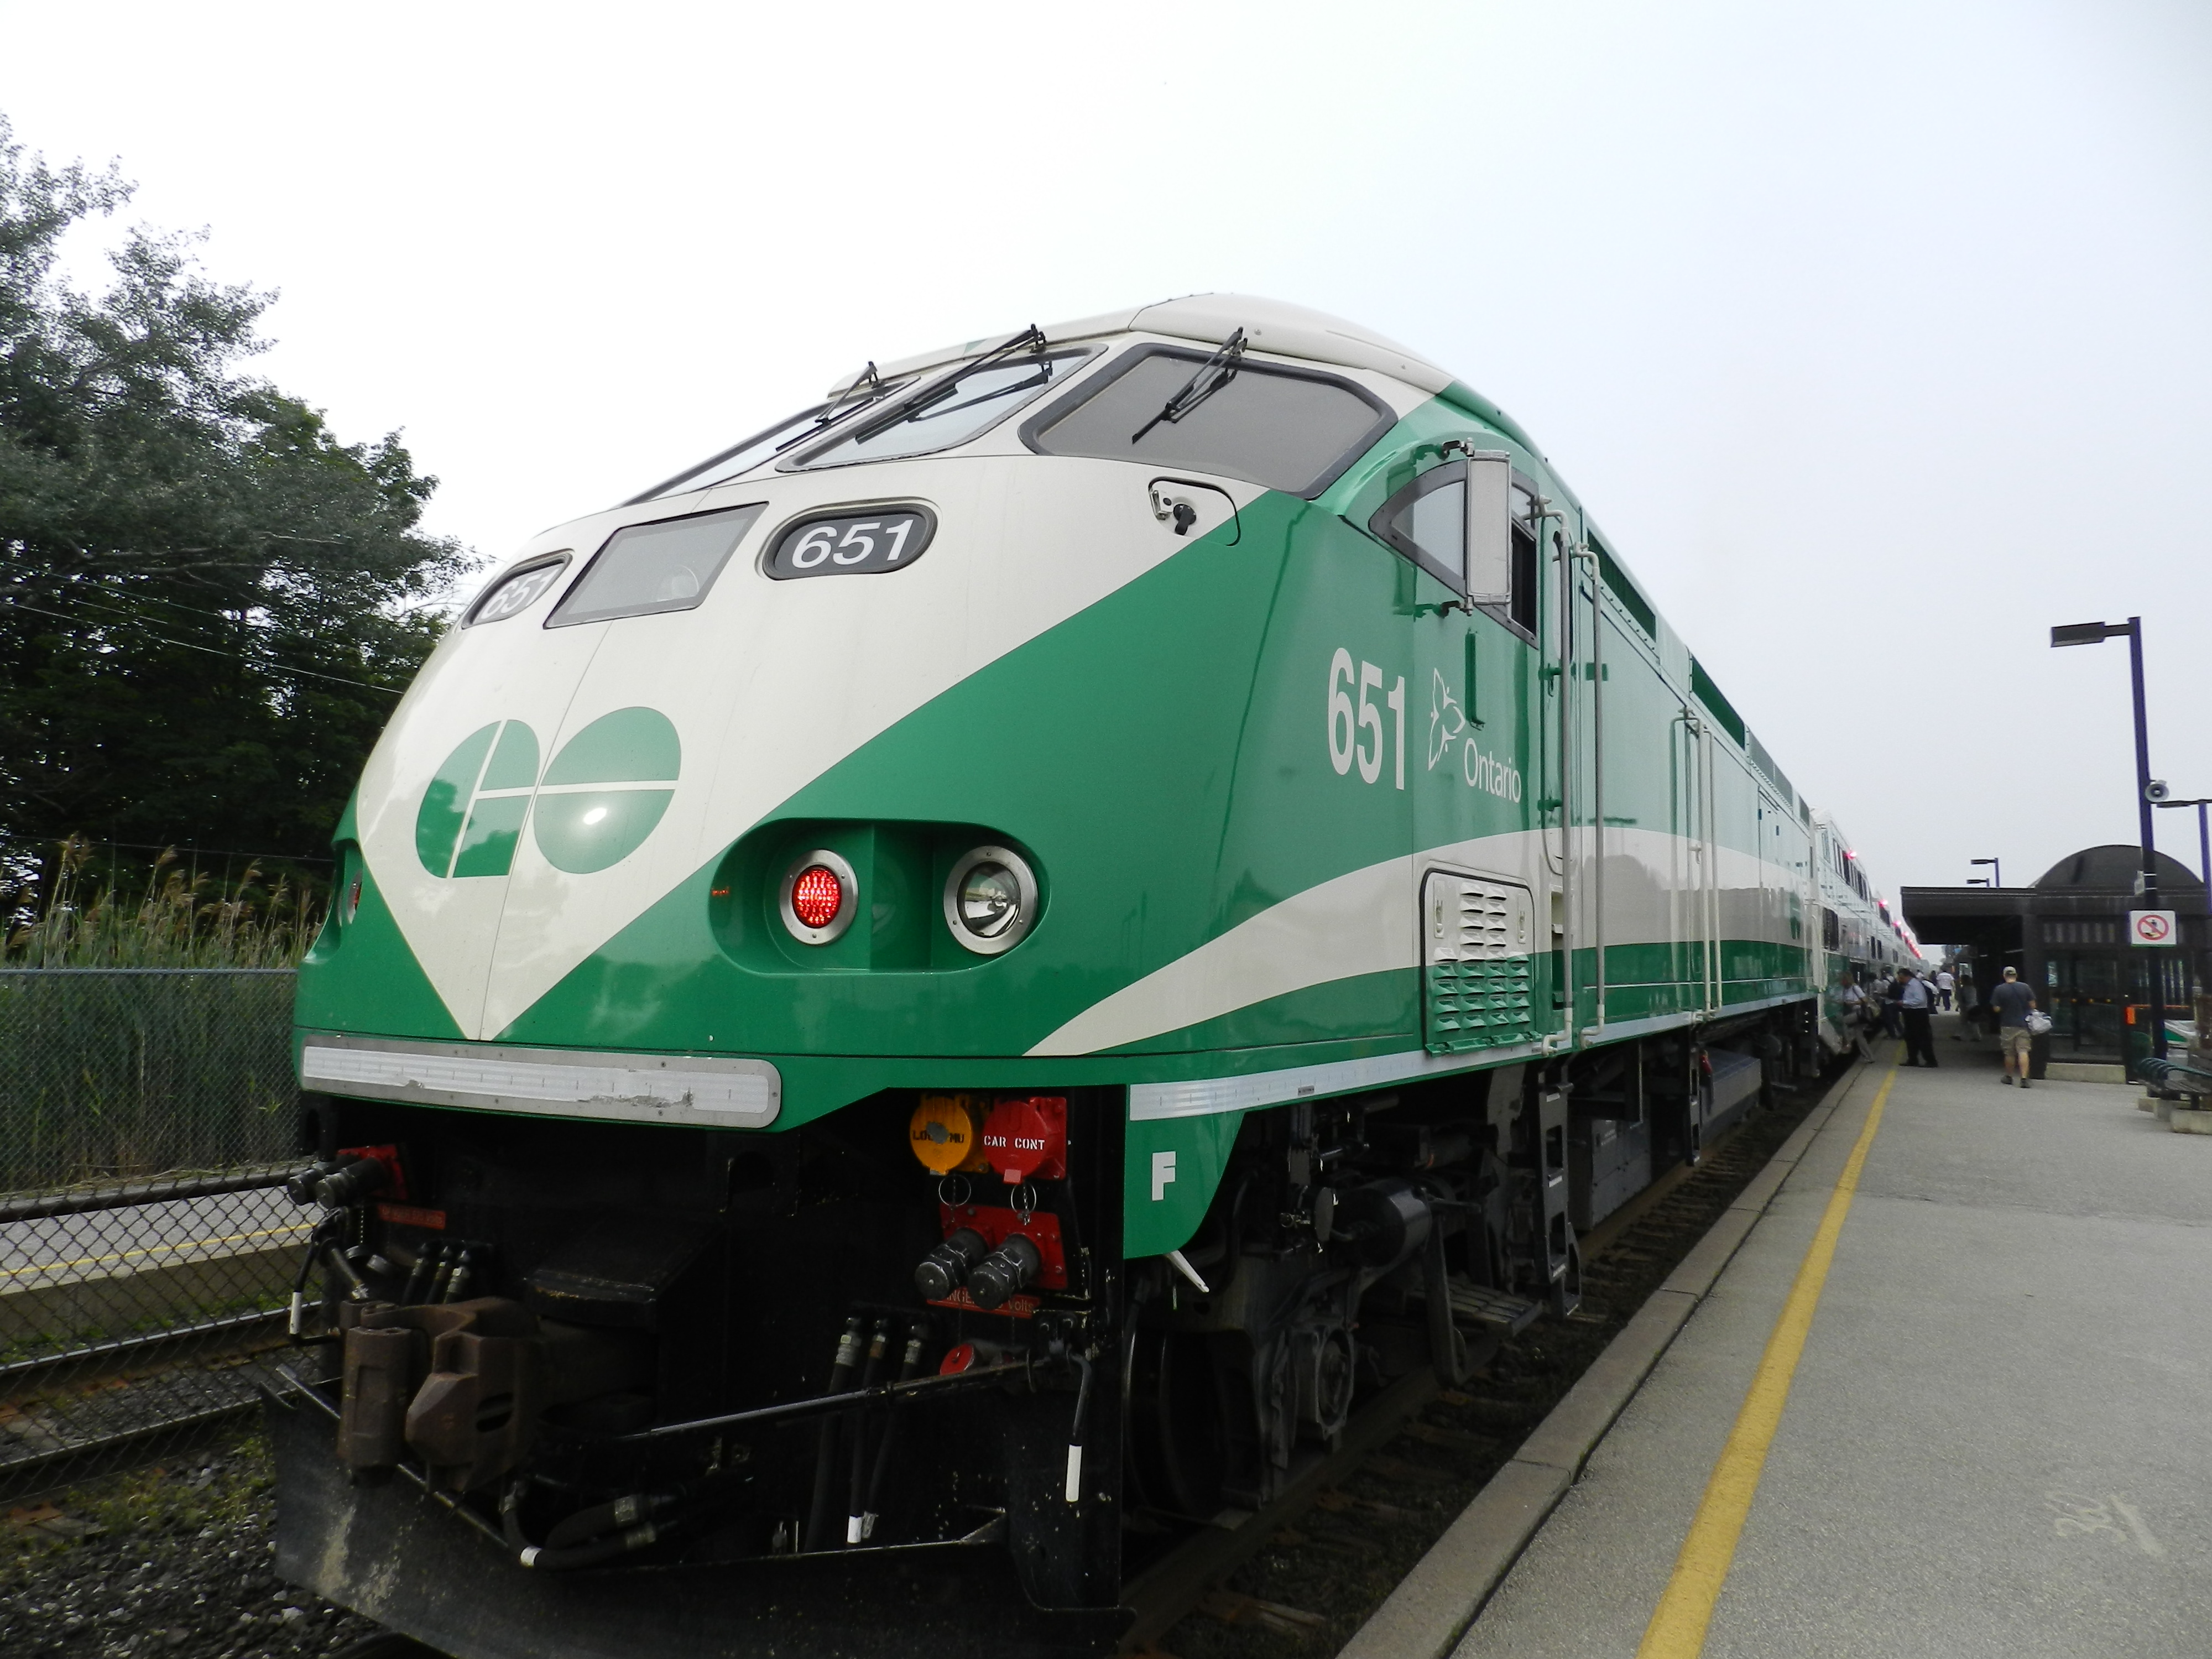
x: 1435, y: 1604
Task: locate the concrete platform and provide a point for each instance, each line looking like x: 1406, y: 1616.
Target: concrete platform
x: 1995, y: 1442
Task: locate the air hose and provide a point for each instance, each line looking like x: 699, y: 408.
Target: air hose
x: 821, y: 1511
x: 864, y: 1524
x: 591, y: 1537
x: 878, y: 1347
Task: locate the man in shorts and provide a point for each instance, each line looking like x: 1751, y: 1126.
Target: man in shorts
x: 2012, y: 1003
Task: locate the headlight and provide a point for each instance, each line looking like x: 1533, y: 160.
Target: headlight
x: 990, y: 900
x: 818, y: 896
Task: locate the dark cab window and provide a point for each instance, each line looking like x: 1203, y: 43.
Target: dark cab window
x: 1285, y: 429
x: 1426, y: 521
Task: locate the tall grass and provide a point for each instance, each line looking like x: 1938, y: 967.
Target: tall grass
x: 113, y: 1063
x: 180, y: 919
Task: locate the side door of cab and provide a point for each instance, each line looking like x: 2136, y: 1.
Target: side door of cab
x: 1469, y: 608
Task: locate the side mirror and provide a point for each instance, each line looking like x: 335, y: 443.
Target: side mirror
x: 1489, y: 527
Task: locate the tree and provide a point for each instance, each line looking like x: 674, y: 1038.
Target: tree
x: 208, y: 603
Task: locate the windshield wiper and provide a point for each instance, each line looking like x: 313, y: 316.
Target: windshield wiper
x: 867, y: 388
x: 916, y: 412
x: 1215, y: 373
x: 1031, y: 339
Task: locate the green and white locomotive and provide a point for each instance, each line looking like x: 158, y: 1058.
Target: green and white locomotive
x: 932, y: 1002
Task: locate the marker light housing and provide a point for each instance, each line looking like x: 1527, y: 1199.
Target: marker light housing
x: 990, y: 900
x: 818, y: 896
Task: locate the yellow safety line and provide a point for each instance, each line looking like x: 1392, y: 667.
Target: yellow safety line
x: 1677, y: 1629
x: 156, y: 1249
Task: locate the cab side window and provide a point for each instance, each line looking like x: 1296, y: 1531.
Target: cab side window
x: 1426, y: 521
x: 1523, y: 608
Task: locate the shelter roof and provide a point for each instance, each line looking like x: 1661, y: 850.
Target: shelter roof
x: 2112, y: 869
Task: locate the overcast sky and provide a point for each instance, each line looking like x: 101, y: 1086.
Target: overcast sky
x: 1877, y: 338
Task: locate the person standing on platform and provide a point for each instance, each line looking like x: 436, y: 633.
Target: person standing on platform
x: 1944, y: 986
x: 2013, y: 1002
x: 1853, y: 999
x: 1916, y: 1000
x: 1892, y: 1006
x: 1970, y: 1008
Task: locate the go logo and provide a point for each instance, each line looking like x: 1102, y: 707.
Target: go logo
x: 594, y: 807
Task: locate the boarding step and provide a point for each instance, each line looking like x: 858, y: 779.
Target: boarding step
x: 1501, y: 1310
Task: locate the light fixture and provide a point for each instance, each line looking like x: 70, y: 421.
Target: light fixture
x: 818, y: 896
x: 990, y: 900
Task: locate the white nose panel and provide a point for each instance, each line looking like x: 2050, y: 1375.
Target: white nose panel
x: 492, y: 676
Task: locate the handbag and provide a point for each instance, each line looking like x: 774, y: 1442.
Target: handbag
x: 2039, y: 1022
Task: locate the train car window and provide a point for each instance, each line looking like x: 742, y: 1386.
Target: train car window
x: 1287, y: 430
x: 735, y: 462
x: 961, y: 410
x: 1523, y: 608
x: 1426, y: 521
x: 648, y: 568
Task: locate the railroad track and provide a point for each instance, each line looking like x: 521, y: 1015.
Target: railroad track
x: 1306, y: 1569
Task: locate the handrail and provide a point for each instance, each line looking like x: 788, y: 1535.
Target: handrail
x: 129, y: 1194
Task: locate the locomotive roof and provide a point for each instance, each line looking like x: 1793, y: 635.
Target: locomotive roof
x: 1269, y: 325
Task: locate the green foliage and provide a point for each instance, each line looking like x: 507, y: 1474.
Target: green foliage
x: 183, y: 918
x: 208, y: 603
x: 121, y: 1072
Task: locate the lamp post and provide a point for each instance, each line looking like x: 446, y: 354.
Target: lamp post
x: 2097, y: 633
x: 1997, y: 872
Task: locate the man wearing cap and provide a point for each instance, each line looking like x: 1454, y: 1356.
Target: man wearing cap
x: 2013, y: 1002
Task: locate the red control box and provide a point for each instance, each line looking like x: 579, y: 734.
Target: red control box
x: 1025, y: 1139
x: 997, y: 1225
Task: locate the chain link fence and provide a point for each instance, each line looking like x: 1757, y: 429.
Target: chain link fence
x: 146, y: 1250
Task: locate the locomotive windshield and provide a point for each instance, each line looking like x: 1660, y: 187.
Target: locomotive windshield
x: 957, y: 409
x: 1285, y: 429
x: 731, y: 462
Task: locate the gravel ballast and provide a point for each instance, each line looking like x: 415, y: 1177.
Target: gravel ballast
x: 172, y: 1561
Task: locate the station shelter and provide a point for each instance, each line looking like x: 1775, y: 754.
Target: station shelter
x: 2068, y: 936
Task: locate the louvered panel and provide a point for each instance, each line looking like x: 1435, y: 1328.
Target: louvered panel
x: 1475, y: 980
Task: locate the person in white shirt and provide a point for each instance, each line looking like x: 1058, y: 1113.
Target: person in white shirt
x: 1854, y: 999
x: 1917, y: 1002
x: 1970, y: 1016
x: 1944, y: 986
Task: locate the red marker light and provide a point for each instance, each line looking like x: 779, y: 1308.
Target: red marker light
x: 816, y: 895
x: 958, y: 1359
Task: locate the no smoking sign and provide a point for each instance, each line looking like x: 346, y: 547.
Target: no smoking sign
x: 2150, y: 927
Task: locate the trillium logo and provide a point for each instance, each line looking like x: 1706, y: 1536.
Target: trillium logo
x: 1445, y: 720
x: 594, y: 807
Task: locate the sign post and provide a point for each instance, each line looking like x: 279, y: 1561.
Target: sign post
x: 2155, y: 930
x: 2149, y: 793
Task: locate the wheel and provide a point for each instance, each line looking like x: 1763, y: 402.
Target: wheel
x: 1177, y: 1449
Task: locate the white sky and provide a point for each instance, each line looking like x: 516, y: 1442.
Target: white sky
x: 1876, y: 337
